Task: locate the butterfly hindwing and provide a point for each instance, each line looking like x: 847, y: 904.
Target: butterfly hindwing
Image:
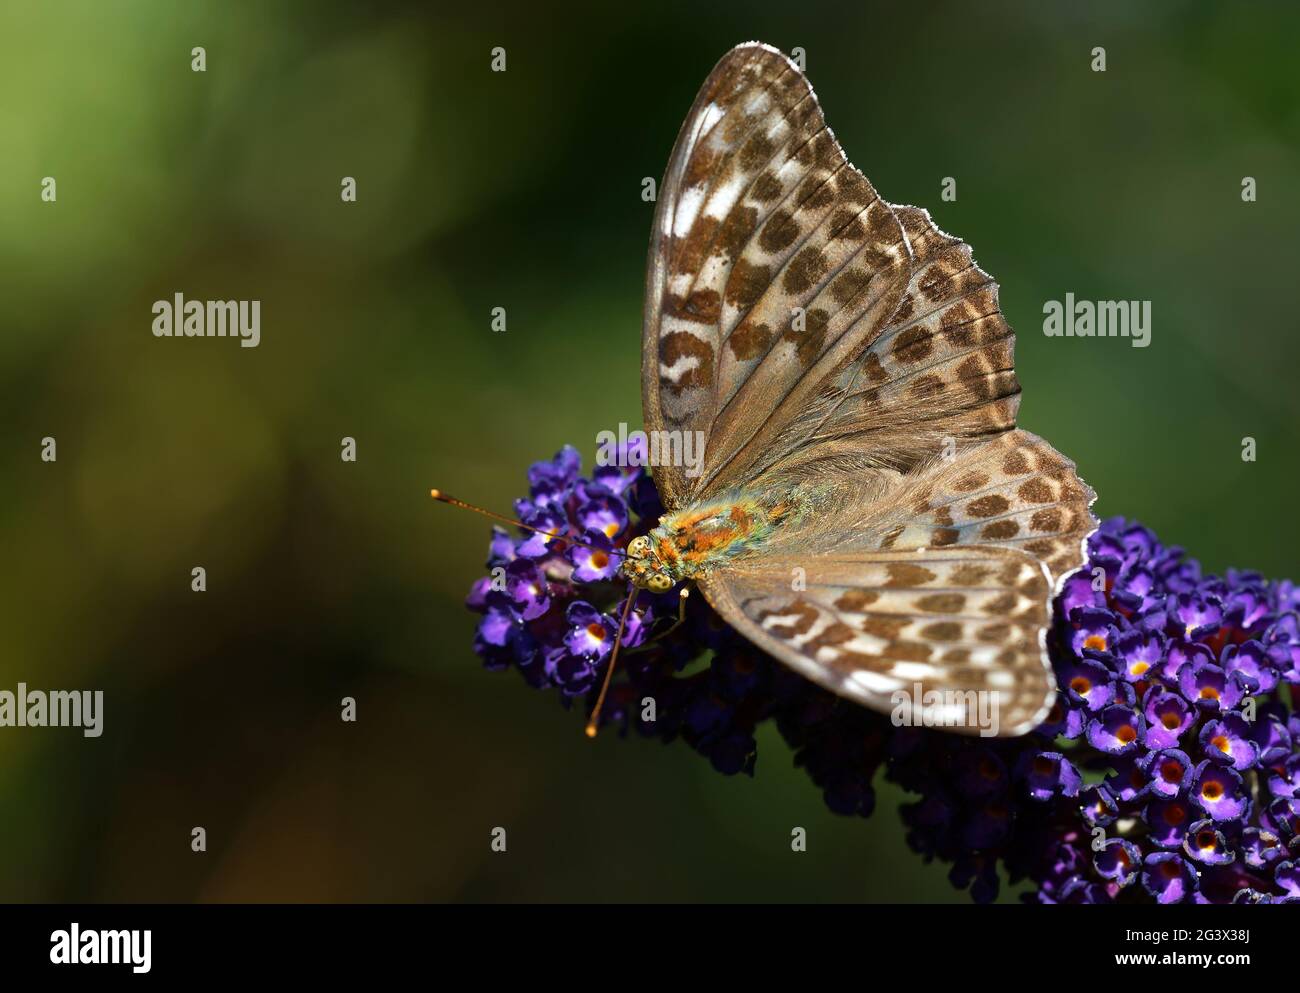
x: 881, y: 623
x: 941, y: 578
x: 772, y: 262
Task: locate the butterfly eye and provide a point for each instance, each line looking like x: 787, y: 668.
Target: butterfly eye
x: 639, y: 547
x: 659, y: 583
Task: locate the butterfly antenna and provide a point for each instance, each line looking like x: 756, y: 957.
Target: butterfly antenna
x: 442, y: 497
x: 594, y: 721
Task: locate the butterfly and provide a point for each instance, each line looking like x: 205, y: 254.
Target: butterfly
x: 866, y: 510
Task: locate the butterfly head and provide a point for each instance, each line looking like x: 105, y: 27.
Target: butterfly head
x: 643, y: 569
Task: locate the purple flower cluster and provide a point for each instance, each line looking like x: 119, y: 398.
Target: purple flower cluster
x: 1168, y: 771
x: 550, y: 609
x: 534, y: 617
x: 1170, y: 763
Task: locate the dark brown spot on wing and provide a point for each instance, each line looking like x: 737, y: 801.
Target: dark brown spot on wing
x: 700, y: 167
x: 766, y: 188
x: 854, y: 188
x: 942, y: 631
x: 747, y: 283
x: 908, y: 651
x: 974, y: 375
x: 679, y: 345
x: 1048, y: 520
x: 891, y: 536
x: 1036, y: 490
x: 999, y: 530
x: 815, y: 193
x: 693, y: 250
x: 855, y: 601
x: 913, y: 345
x: 1015, y: 463
x: 884, y: 626
x: 805, y: 617
x: 988, y: 506
x: 835, y: 633
x: 750, y: 340
x: 849, y: 283
x: 874, y: 370
x: 970, y: 574
x: 808, y: 342
x: 994, y: 633
x: 806, y: 268
x: 926, y: 386
x: 907, y: 574
x: 736, y: 231
x: 702, y: 307
x: 1003, y: 604
x: 778, y: 233
x: 941, y: 603
x: 756, y: 152
x: 846, y: 224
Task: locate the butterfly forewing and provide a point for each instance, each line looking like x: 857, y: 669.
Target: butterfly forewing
x: 772, y: 261
x: 846, y: 357
x: 939, y: 372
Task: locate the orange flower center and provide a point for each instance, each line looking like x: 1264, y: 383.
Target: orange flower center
x: 1095, y: 641
x: 1126, y: 733
x: 1211, y: 791
x: 1080, y: 685
x: 597, y: 631
x: 599, y: 559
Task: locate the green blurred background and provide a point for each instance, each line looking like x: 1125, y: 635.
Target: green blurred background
x: 522, y: 190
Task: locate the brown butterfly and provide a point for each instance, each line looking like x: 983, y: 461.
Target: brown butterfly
x: 866, y: 510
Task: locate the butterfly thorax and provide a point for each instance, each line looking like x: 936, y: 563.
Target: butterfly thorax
x: 698, y: 538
